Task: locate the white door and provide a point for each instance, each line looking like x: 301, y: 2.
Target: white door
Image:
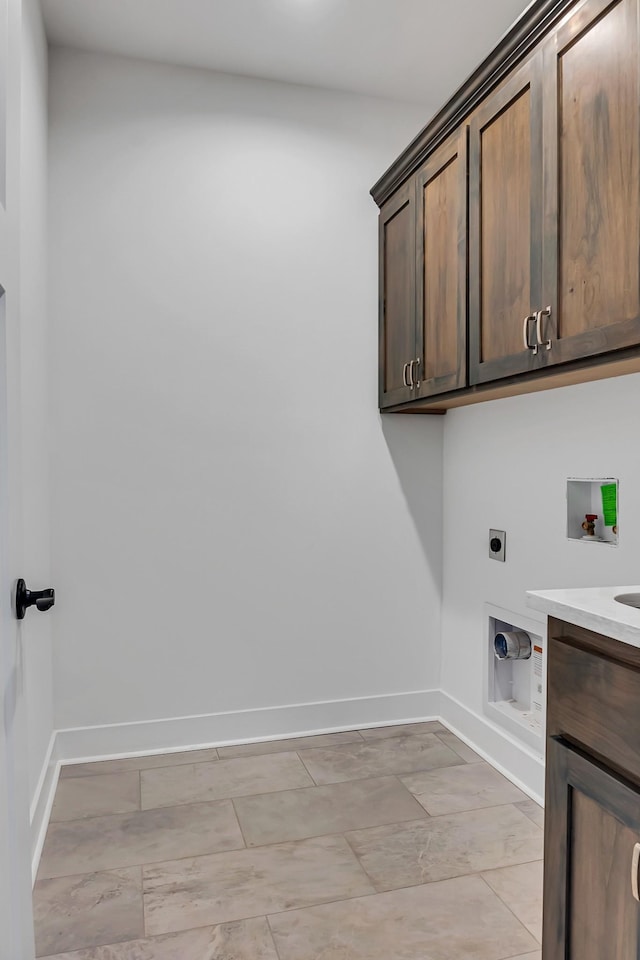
x: 16, y: 922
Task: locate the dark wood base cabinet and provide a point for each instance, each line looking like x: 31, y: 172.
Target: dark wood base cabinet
x: 592, y: 815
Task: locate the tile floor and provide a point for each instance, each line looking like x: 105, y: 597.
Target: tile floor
x: 391, y: 843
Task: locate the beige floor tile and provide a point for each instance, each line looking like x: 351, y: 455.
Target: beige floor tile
x: 401, y: 730
x: 293, y: 743
x: 296, y: 814
x: 532, y: 810
x: 464, y: 752
x: 103, y: 843
x: 450, y: 846
x: 528, y: 956
x: 96, y: 796
x: 521, y: 889
x: 378, y: 758
x: 233, y: 886
x: 81, y: 911
x: 467, y: 787
x: 245, y: 940
x: 137, y: 763
x: 225, y: 778
x: 454, y: 920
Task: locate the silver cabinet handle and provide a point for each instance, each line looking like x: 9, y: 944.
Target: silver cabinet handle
x: 540, y: 314
x: 404, y: 375
x: 418, y: 372
x: 525, y: 332
x: 635, y: 863
x: 411, y: 383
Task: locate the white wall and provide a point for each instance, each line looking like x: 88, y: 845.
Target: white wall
x: 34, y: 357
x: 233, y: 525
x: 506, y: 463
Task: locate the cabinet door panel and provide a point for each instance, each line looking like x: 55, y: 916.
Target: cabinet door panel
x: 592, y: 824
x: 505, y: 218
x: 603, y: 915
x: 397, y: 343
x: 592, y: 144
x: 505, y: 226
x: 442, y: 268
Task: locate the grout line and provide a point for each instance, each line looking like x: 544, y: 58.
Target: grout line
x: 132, y: 768
x: 144, y: 922
x: 358, y: 740
x: 366, y: 740
x: 216, y: 853
x: 511, y: 911
x: 265, y: 846
x: 374, y: 892
x: 309, y: 786
x: 284, y: 741
x: 235, y: 813
x: 359, y: 861
x: 407, y: 886
x: 271, y: 934
x: 439, y: 733
x: 314, y: 781
x: 518, y: 803
x: 154, y: 937
x: 493, y: 806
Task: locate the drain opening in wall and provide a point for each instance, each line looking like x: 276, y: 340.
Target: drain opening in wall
x: 515, y: 674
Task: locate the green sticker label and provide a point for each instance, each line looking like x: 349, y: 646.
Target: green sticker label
x: 609, y: 504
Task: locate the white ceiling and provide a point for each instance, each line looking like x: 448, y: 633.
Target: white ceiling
x: 417, y: 50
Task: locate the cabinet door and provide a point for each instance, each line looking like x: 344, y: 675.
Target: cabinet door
x: 441, y: 269
x: 397, y: 273
x: 592, y: 833
x: 592, y: 182
x: 505, y: 227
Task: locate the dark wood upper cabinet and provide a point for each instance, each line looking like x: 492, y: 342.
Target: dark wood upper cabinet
x: 441, y: 270
x: 423, y: 280
x: 547, y: 227
x: 555, y: 200
x: 397, y: 295
x: 592, y: 182
x: 505, y: 227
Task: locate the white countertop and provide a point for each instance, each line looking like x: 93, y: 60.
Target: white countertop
x: 593, y: 608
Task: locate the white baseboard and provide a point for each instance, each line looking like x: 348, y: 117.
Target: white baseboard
x: 515, y: 760
x: 42, y: 803
x: 174, y: 734
x: 82, y: 744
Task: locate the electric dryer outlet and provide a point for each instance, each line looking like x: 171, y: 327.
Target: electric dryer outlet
x: 497, y: 544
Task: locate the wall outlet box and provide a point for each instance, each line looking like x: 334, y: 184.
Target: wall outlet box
x: 585, y: 496
x: 497, y: 544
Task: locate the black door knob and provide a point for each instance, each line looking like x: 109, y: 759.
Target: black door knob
x: 42, y: 599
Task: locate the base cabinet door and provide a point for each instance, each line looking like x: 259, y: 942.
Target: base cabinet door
x: 397, y: 297
x: 592, y: 182
x: 441, y: 269
x: 592, y: 860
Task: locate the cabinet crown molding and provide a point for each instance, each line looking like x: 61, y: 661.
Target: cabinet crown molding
x: 539, y: 17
